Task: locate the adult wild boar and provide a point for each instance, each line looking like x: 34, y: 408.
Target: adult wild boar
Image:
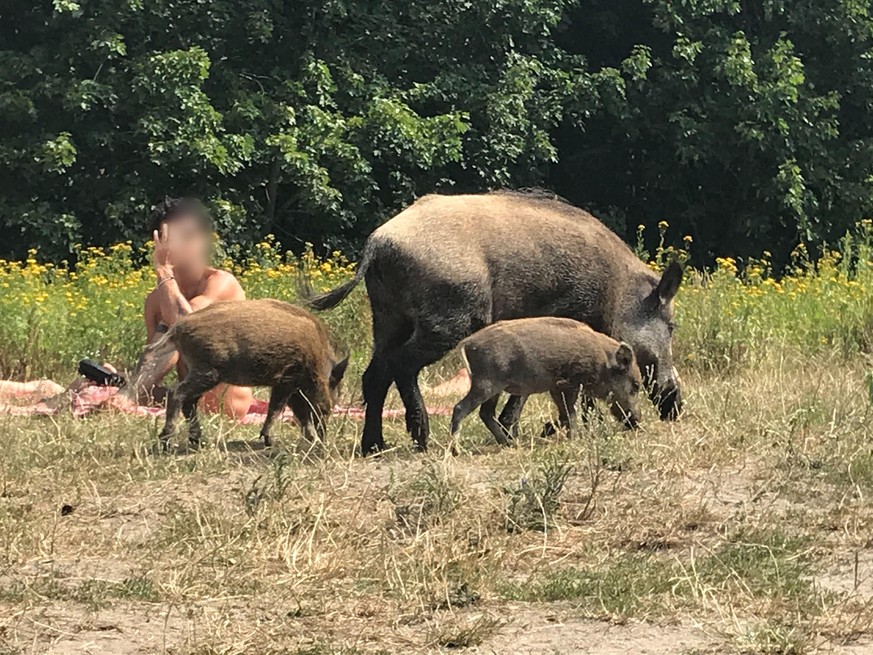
x: 250, y: 343
x: 449, y: 265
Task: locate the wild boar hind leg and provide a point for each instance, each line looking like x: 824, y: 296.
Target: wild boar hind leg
x: 171, y: 424
x: 417, y: 420
x: 374, y: 385
x: 184, y: 398
x: 189, y: 411
x: 424, y: 348
x: 481, y: 394
x: 511, y: 415
x: 488, y: 414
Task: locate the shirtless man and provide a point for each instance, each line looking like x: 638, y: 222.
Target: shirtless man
x: 182, y: 232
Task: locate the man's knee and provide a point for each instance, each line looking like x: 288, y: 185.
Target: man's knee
x: 233, y: 402
x: 237, y: 402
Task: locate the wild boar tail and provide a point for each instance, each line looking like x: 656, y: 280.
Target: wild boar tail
x: 334, y: 297
x: 464, y: 358
x: 152, y: 366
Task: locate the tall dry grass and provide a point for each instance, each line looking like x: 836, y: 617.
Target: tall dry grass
x: 742, y: 528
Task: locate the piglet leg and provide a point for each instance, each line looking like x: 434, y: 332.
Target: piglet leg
x: 279, y: 396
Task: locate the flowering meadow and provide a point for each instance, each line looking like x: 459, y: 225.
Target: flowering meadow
x: 55, y: 315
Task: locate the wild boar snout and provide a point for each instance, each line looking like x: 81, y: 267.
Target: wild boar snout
x: 628, y: 414
x: 648, y: 326
x: 625, y: 386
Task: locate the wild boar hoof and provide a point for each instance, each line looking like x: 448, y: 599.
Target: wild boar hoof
x: 371, y: 446
x: 268, y: 440
x: 549, y: 430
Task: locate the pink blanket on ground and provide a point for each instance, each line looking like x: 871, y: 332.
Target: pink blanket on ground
x: 91, y: 399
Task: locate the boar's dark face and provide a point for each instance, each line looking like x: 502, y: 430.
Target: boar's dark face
x: 648, y: 328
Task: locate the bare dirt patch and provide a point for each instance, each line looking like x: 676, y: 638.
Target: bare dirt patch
x: 537, y: 633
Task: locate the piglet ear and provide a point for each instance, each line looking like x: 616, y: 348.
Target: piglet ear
x: 669, y: 284
x: 624, y: 357
x: 338, y: 371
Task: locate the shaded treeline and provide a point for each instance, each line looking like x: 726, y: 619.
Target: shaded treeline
x: 745, y: 124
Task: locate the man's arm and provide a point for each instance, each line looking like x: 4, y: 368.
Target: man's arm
x: 171, y: 302
x: 168, y: 297
x: 221, y: 285
x: 152, y: 321
x: 171, y: 305
x: 151, y: 316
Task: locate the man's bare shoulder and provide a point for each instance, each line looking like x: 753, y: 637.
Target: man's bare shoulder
x: 220, y: 274
x: 223, y: 285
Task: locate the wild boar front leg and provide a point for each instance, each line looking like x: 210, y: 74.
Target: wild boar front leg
x: 311, y: 423
x: 566, y: 401
x: 588, y: 407
x: 279, y: 396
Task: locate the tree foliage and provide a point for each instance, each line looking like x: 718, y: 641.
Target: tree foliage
x: 746, y: 124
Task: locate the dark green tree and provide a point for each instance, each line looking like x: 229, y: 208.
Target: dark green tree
x: 313, y: 120
x: 746, y: 124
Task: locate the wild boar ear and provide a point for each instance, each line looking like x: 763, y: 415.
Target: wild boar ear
x: 624, y: 357
x: 668, y: 286
x: 338, y: 371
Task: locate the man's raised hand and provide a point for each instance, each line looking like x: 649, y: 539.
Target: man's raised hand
x: 162, y: 259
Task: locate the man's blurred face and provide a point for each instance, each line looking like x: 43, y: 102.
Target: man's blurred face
x: 190, y: 244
